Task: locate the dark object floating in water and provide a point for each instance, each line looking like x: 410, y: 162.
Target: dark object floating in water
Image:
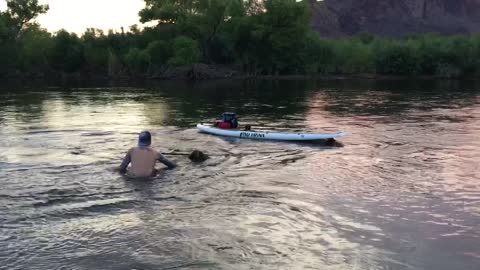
x: 77, y: 152
x: 333, y: 143
x: 296, y: 209
x: 198, y: 156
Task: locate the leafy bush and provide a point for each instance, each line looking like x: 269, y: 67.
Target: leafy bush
x: 185, y: 52
x: 137, y: 60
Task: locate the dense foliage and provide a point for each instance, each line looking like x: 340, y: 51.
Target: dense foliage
x: 270, y: 37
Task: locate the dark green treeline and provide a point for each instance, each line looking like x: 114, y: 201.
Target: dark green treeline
x: 271, y: 37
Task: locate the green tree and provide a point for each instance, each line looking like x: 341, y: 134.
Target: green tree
x: 95, y: 48
x: 13, y: 22
x: 136, y: 60
x: 167, y: 11
x: 318, y: 55
x: 396, y: 58
x: 352, y: 56
x: 20, y: 12
x: 463, y: 53
x: 245, y: 40
x: 3, y: 29
x: 279, y: 34
x: 201, y: 20
x: 36, y: 45
x: 8, y: 56
x: 186, y: 52
x: 158, y: 53
x: 67, y: 52
x: 476, y: 53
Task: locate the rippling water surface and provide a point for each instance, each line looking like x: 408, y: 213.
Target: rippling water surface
x: 403, y: 192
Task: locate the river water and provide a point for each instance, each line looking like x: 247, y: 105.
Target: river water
x: 403, y: 192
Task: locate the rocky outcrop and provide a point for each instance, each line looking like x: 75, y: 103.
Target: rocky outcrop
x: 335, y: 18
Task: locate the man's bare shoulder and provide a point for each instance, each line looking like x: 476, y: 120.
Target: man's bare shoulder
x: 145, y: 149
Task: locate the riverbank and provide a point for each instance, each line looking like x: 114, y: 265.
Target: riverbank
x: 201, y: 72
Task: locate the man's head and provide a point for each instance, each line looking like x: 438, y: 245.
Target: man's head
x: 144, y: 138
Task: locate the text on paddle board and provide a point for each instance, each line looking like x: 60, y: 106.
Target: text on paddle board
x: 251, y: 135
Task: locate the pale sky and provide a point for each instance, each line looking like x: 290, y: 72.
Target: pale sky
x: 78, y: 15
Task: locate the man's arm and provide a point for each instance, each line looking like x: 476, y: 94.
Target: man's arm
x: 167, y: 162
x: 125, y: 162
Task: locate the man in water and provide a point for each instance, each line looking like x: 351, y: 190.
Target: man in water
x: 143, y: 158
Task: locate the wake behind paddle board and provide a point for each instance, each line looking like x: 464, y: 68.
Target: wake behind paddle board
x: 264, y: 135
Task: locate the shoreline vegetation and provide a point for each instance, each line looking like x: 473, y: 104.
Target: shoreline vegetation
x: 213, y: 39
x: 226, y: 74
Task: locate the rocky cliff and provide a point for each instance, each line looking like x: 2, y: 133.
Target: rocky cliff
x: 335, y: 18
